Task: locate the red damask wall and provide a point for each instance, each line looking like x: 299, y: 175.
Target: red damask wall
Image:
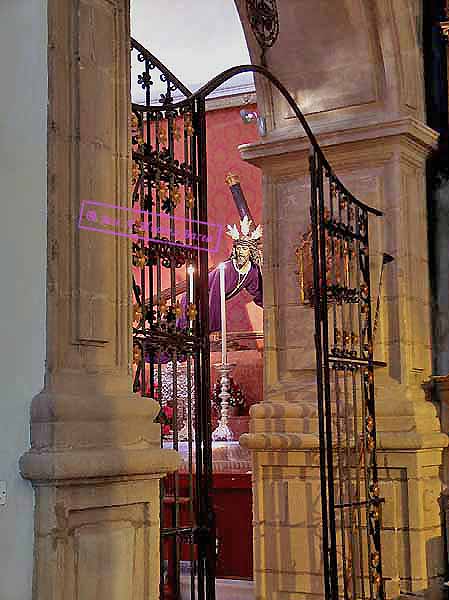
x: 225, y: 132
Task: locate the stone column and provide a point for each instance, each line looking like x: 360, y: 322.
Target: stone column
x: 384, y: 166
x: 356, y: 70
x: 95, y: 459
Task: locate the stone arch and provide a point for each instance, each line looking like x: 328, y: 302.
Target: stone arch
x: 360, y: 58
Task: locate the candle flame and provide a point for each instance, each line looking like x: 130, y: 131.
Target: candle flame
x: 190, y: 270
x: 222, y: 266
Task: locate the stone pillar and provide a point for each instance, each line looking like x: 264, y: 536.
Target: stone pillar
x: 356, y: 70
x: 95, y: 460
x: 385, y: 167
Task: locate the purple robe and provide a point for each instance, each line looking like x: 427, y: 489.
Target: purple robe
x: 251, y: 282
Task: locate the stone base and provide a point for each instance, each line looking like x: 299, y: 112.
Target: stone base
x: 287, y: 506
x: 97, y: 539
x: 97, y: 521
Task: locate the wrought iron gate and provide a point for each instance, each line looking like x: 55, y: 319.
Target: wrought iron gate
x: 171, y: 311
x: 341, y: 299
x: 171, y: 340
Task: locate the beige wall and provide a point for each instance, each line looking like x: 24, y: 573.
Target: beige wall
x: 23, y: 132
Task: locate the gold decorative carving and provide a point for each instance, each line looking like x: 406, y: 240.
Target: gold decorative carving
x: 305, y: 268
x: 304, y: 258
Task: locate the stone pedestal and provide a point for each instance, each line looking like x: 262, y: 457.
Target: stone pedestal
x: 95, y: 460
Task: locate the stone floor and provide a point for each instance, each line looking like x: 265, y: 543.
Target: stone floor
x: 226, y: 589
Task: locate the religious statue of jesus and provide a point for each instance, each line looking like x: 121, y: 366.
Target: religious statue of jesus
x: 243, y: 270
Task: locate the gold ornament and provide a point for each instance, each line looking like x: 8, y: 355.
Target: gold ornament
x: 137, y: 312
x: 375, y: 513
x: 176, y: 195
x: 188, y: 127
x: 163, y: 307
x: 375, y: 490
x: 190, y: 199
x: 178, y: 309
x: 191, y: 312
x: 140, y: 259
x: 138, y: 228
x: 162, y: 190
x: 135, y: 172
x: 162, y: 137
x: 176, y: 132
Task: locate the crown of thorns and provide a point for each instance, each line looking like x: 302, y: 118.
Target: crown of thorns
x: 246, y: 236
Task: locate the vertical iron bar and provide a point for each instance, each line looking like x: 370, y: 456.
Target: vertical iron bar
x: 372, y: 413
x: 340, y: 467
x: 327, y: 395
x: 319, y: 373
x: 204, y: 392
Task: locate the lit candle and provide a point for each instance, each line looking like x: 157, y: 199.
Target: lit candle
x: 190, y: 271
x: 224, y: 361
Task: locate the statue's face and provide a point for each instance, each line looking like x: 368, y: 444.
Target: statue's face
x: 242, y: 254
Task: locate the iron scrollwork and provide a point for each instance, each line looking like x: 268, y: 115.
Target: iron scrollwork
x: 264, y: 20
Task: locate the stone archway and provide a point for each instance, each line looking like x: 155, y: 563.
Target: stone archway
x: 94, y: 459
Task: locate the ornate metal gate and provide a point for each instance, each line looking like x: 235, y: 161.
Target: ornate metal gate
x: 171, y: 311
x: 341, y: 298
x: 171, y: 340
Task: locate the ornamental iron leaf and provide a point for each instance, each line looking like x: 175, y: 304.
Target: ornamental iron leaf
x: 144, y: 80
x: 264, y: 20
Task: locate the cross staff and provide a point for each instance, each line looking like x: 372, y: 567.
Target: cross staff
x: 241, y: 204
